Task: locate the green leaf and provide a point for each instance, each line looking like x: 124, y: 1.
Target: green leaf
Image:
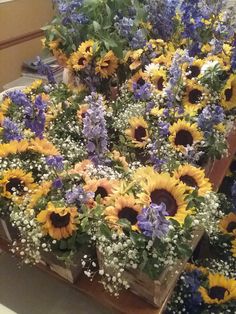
x: 104, y: 229
x: 96, y: 26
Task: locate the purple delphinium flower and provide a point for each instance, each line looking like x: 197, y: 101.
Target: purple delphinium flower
x: 45, y: 69
x: 163, y: 128
x: 160, y: 14
x: 142, y: 92
x: 139, y: 39
x: 152, y: 221
x: 233, y: 58
x: 209, y: 117
x: 35, y: 116
x: 124, y: 26
x: 193, y: 282
x: 18, y: 98
x: 78, y: 196
x: 154, y: 159
x: 94, y: 128
x: 176, y: 76
x: 11, y: 131
x: 57, y: 183
x: 55, y: 162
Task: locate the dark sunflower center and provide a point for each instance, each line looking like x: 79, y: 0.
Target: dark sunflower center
x: 195, y: 96
x: 139, y: 133
x: 217, y: 292
x: 101, y: 191
x: 59, y: 221
x: 106, y: 65
x: 88, y: 49
x: 190, y: 181
x: 233, y: 166
x: 183, y: 137
x: 159, y: 196
x: 160, y: 83
x: 231, y: 226
x: 83, y: 115
x: 128, y: 213
x: 81, y: 61
x: 194, y: 71
x: 141, y: 81
x: 228, y: 94
x: 15, y: 185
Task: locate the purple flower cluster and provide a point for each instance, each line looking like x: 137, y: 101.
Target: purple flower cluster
x: 69, y: 11
x: 193, y: 282
x: 45, y: 69
x: 139, y: 39
x: 35, y: 116
x: 160, y: 14
x: 78, y: 196
x: 176, y: 76
x: 233, y: 57
x: 55, y: 162
x: 142, y: 92
x: 209, y: 117
x: 154, y: 159
x: 152, y: 221
x: 94, y: 129
x: 11, y: 131
x: 124, y: 26
x: 18, y: 98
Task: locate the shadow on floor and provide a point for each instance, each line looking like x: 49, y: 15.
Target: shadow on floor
x: 28, y: 290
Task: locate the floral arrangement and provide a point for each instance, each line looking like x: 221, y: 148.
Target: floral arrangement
x: 123, y: 176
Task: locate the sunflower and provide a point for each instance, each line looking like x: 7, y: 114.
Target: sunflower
x: 34, y: 86
x: 121, y: 160
x: 183, y: 134
x: 193, y: 70
x: 88, y: 47
x: 81, y: 168
x: 164, y: 60
x: 221, y: 289
x: 107, y: 65
x: 102, y: 187
x: 60, y: 56
x: 43, y: 146
x: 228, y: 224
x: 58, y: 222
x: 162, y: 188
x: 194, y: 178
x: 194, y: 99
x: 81, y: 112
x: 157, y: 77
x: 139, y: 78
x: 125, y: 207
x: 42, y: 190
x: 138, y: 131
x: 4, y: 106
x: 13, y: 147
x: 133, y: 58
x: 15, y: 184
x: 78, y: 61
x: 233, y: 249
x: 228, y: 94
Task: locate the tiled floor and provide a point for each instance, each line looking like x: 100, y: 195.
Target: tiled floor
x: 28, y: 290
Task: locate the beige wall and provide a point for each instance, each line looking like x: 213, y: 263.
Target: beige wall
x: 20, y: 17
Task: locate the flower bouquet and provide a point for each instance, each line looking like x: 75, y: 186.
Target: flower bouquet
x: 84, y: 173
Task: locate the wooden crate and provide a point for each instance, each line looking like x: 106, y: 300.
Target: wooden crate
x: 7, y: 231
x: 70, y: 273
x: 154, y: 292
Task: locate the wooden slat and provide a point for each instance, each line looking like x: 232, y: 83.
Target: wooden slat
x: 219, y: 168
x: 20, y: 39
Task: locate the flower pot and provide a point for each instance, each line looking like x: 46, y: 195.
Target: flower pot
x: 157, y: 291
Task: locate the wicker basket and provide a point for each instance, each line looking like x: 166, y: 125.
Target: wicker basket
x: 154, y: 292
